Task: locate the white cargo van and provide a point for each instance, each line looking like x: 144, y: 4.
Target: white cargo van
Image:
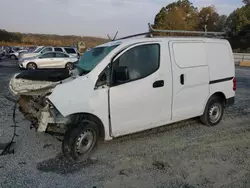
x: 131, y: 85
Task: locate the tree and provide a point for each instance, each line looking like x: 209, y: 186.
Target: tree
x: 221, y: 23
x: 209, y: 17
x: 180, y: 15
x: 238, y: 19
x: 247, y: 2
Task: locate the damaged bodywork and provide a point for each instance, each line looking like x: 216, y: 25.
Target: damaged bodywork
x: 32, y: 89
x: 73, y: 104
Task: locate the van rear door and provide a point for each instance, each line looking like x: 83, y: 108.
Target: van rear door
x: 190, y: 78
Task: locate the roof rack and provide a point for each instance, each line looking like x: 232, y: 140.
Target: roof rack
x: 183, y: 31
x: 151, y: 30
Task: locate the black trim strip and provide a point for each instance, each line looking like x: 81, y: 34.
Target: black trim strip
x: 221, y: 80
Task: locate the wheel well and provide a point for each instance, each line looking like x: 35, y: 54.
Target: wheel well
x: 69, y: 63
x: 75, y: 118
x: 30, y: 63
x: 221, y: 96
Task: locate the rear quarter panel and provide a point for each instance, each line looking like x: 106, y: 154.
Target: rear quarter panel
x: 221, y: 65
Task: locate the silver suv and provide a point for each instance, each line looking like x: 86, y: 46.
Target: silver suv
x: 68, y: 50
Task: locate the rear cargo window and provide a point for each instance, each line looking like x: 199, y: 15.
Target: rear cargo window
x: 189, y: 54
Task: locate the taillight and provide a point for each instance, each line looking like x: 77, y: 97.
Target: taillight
x: 234, y: 84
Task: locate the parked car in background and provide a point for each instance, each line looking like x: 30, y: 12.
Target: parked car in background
x: 31, y: 48
x: 1, y: 51
x: 15, y: 54
x: 12, y: 49
x: 36, y: 49
x: 68, y: 50
x: 49, y: 60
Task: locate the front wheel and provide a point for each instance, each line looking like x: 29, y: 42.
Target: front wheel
x: 69, y: 66
x: 213, y: 112
x: 31, y: 66
x: 80, y: 140
x: 13, y: 57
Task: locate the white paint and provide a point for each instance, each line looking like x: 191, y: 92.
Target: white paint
x: 184, y: 53
x: 189, y: 98
x: 221, y: 60
x: 136, y: 105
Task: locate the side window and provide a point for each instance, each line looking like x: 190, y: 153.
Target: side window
x: 58, y: 50
x: 103, y: 78
x: 61, y: 55
x: 70, y: 50
x: 46, y: 50
x: 47, y: 55
x: 136, y: 63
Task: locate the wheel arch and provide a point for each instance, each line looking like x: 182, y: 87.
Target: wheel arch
x: 30, y: 63
x: 68, y: 62
x: 221, y: 95
x: 218, y: 94
x: 75, y: 118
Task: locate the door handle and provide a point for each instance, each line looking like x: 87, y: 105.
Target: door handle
x: 159, y: 83
x: 182, y: 79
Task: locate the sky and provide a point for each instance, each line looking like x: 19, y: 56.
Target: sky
x: 90, y: 17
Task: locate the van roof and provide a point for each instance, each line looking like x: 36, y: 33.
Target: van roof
x: 160, y: 39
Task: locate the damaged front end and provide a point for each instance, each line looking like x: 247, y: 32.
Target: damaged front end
x: 31, y: 89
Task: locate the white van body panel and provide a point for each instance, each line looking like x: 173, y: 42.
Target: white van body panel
x: 221, y: 65
x: 79, y: 96
x: 221, y: 60
x: 135, y: 106
x: 189, y: 59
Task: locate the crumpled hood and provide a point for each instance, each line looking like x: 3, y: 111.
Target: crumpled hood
x: 71, y: 97
x: 29, y: 87
x: 34, y: 82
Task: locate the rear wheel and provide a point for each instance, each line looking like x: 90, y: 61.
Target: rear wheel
x: 69, y: 66
x: 31, y: 66
x: 80, y: 140
x: 214, y: 111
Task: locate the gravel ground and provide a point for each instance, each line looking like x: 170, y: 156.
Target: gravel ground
x: 182, y: 155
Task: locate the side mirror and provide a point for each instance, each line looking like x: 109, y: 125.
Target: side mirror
x: 121, y: 74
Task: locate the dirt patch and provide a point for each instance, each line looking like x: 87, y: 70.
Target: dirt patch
x: 61, y: 165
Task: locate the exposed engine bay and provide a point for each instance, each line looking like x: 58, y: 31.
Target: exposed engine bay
x: 31, y: 88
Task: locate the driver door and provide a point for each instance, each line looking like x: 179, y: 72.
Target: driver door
x: 143, y: 99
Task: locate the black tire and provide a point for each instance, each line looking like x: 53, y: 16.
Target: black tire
x: 13, y: 57
x: 69, y: 66
x: 73, y: 139
x: 214, y: 111
x: 32, y: 66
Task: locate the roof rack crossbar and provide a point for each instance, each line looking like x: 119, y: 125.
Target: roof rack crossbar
x: 183, y: 31
x: 135, y: 35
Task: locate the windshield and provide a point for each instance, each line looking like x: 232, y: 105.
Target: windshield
x: 38, y: 50
x: 91, y: 58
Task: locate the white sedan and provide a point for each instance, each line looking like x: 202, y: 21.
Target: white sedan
x: 49, y: 60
